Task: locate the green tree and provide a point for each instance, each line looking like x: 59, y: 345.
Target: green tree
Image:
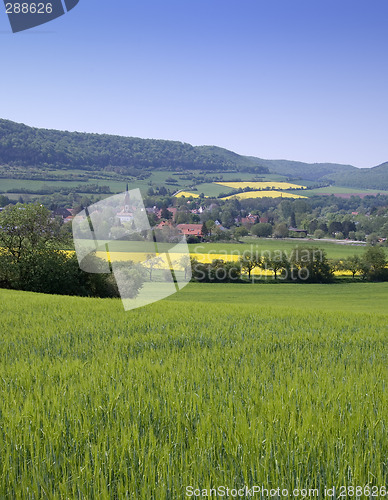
x: 335, y: 227
x: 286, y: 209
x: 210, y: 225
x: 239, y: 232
x: 319, y: 234
x: 313, y: 226
x: 281, y: 230
x: 373, y: 263
x: 185, y: 263
x: 227, y: 218
x: 32, y: 259
x: 4, y: 200
x: 372, y: 239
x: 262, y: 229
x: 27, y: 230
x: 165, y: 213
x: 275, y: 261
x: 151, y: 263
x: 352, y: 264
x: 249, y: 261
x: 310, y: 265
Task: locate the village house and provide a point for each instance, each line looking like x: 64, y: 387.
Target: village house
x: 191, y: 229
x: 249, y: 220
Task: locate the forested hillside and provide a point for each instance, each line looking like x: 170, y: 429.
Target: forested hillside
x: 27, y: 146
x: 371, y: 178
x: 308, y: 171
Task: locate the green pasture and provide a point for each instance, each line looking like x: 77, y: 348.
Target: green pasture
x: 211, y: 189
x: 221, y: 385
x: 339, y: 190
x: 158, y: 178
x: 6, y: 184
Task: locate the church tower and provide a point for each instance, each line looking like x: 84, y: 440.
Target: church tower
x: 126, y: 201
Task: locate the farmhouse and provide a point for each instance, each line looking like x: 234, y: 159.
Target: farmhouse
x: 191, y: 229
x: 164, y: 223
x: 172, y: 211
x: 249, y: 220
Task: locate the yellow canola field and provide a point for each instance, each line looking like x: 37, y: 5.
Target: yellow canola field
x: 261, y: 185
x: 175, y: 258
x: 201, y: 257
x: 186, y: 194
x: 263, y: 194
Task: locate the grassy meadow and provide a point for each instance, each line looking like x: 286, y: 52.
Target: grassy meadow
x: 266, y: 384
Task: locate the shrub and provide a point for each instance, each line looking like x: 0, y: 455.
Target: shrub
x: 319, y: 234
x: 262, y: 229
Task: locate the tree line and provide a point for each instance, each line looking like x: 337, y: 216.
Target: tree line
x: 302, y: 265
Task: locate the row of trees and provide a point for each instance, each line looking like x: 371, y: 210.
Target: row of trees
x: 309, y: 265
x: 369, y: 266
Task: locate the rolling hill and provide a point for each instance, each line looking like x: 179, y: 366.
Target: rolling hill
x: 28, y: 147
x: 371, y: 178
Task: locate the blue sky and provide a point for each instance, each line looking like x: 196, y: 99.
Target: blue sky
x: 297, y: 79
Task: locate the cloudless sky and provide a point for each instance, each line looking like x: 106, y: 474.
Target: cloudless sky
x: 296, y: 79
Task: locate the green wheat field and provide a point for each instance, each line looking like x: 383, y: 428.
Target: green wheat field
x: 219, y: 385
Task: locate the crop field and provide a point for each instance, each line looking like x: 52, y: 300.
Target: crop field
x: 186, y: 194
x: 234, y: 385
x: 261, y: 185
x: 263, y: 194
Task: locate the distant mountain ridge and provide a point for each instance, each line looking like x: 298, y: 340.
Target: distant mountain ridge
x: 27, y: 146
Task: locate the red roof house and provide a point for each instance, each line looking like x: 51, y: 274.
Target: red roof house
x: 191, y: 229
